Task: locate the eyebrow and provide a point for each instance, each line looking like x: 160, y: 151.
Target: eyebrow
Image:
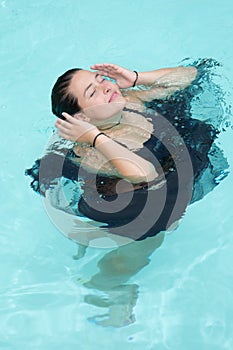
x: 97, y: 74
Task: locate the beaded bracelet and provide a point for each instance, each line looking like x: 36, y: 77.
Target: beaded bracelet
x: 95, y: 138
x: 136, y: 78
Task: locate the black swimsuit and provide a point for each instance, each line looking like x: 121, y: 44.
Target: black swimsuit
x: 154, y: 207
x: 181, y: 148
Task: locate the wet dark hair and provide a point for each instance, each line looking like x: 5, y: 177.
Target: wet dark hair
x: 61, y: 98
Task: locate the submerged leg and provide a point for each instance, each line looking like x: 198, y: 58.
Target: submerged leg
x: 115, y: 269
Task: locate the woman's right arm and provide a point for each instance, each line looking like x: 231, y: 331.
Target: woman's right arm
x: 162, y: 83
x: 129, y: 165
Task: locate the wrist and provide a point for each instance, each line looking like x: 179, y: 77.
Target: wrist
x: 136, y: 78
x: 92, y: 134
x: 141, y: 79
x: 96, y: 138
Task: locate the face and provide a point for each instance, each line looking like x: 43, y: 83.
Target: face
x: 99, y: 99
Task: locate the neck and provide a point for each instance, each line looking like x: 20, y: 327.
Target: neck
x: 110, y: 122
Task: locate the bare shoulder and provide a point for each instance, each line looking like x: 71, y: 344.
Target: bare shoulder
x: 131, y: 96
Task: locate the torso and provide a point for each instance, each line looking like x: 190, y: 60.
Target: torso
x: 133, y: 131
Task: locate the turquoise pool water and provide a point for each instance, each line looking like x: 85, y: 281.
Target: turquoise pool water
x: 181, y: 298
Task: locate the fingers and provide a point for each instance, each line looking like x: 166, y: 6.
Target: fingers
x: 107, y: 74
x: 105, y: 67
x: 63, y: 135
x: 67, y: 116
x: 68, y: 122
x: 63, y: 128
x: 63, y: 125
x: 66, y: 133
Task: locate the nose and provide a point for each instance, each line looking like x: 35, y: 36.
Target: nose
x: 104, y: 87
x: 106, y: 90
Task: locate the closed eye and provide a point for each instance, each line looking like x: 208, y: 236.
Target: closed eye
x: 99, y: 78
x: 92, y: 93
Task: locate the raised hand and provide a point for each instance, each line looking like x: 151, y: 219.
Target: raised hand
x: 75, y: 129
x: 124, y: 77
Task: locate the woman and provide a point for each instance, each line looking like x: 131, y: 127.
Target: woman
x: 136, y: 167
x: 139, y: 177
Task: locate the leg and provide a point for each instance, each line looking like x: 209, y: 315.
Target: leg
x: 115, y: 269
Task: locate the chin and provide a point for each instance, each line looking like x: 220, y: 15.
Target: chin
x: 115, y: 107
x: 105, y: 111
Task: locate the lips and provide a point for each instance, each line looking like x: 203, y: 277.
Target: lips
x: 113, y: 96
